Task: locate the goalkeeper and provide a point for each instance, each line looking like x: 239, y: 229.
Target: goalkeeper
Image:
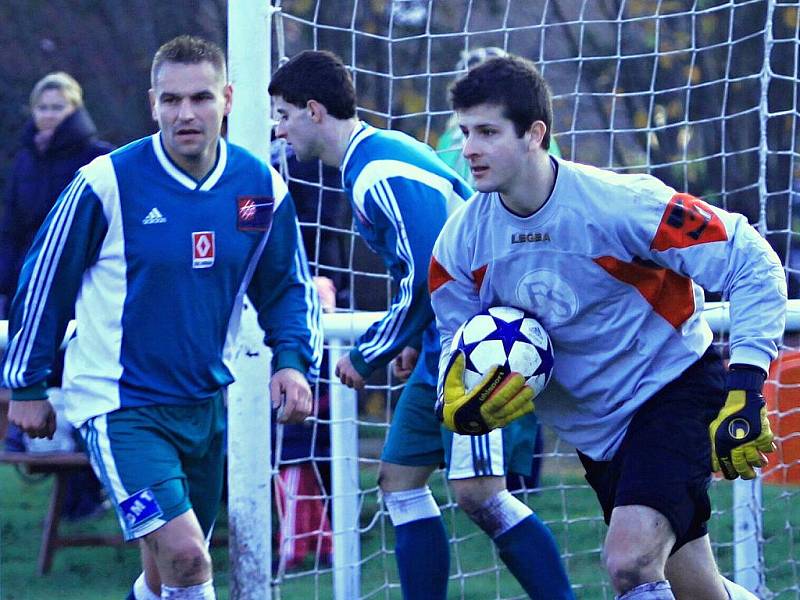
x: 401, y: 194
x: 616, y: 279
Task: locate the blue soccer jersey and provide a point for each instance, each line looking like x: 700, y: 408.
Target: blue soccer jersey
x: 154, y: 266
x: 401, y: 194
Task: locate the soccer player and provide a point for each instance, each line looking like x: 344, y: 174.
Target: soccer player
x: 614, y: 272
x: 152, y: 248
x: 401, y: 194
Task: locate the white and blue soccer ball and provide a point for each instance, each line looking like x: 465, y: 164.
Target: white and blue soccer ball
x: 509, y: 337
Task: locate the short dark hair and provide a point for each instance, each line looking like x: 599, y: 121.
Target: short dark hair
x: 188, y: 50
x: 513, y: 83
x: 316, y: 75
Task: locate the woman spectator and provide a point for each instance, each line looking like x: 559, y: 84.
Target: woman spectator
x: 58, y: 140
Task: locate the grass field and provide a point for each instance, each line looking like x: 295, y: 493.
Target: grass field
x: 106, y: 573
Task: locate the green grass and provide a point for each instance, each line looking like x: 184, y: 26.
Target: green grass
x: 106, y: 573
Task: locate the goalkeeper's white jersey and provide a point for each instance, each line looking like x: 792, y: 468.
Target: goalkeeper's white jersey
x: 612, y: 265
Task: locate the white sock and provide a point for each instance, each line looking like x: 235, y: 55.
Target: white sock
x: 141, y: 591
x: 500, y: 513
x: 411, y: 505
x: 201, y: 591
x: 737, y: 592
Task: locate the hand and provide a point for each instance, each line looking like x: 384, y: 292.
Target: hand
x: 291, y: 394
x: 498, y: 399
x: 35, y: 417
x: 740, y: 435
x: 327, y: 293
x: 405, y: 362
x: 347, y: 373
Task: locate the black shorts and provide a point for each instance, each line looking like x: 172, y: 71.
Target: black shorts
x: 664, y: 462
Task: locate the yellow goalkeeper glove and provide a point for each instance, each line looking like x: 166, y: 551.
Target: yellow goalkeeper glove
x: 740, y: 435
x: 500, y: 398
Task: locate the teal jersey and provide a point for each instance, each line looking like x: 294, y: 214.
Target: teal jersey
x: 154, y: 267
x: 401, y: 194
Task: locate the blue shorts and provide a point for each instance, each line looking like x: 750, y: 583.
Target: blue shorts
x: 417, y: 438
x: 664, y: 461
x: 157, y: 462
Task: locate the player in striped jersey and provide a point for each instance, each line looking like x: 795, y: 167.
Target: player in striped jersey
x: 152, y: 248
x: 401, y: 194
x: 612, y: 265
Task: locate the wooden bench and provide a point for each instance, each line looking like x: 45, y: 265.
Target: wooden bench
x: 60, y: 465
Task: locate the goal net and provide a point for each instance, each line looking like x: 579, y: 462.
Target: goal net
x: 702, y: 94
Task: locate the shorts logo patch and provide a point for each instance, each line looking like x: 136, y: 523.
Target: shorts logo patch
x: 738, y: 429
x: 140, y: 508
x: 203, y: 249
x: 254, y: 213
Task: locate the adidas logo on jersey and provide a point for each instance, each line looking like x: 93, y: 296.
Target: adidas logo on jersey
x: 154, y: 216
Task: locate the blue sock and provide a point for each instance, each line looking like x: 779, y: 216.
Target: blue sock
x: 529, y: 551
x: 423, y: 559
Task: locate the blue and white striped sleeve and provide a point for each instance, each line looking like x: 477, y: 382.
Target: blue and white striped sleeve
x: 408, y: 213
x: 284, y: 294
x: 67, y: 243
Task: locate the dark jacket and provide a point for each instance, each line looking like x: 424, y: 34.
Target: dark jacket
x: 35, y: 183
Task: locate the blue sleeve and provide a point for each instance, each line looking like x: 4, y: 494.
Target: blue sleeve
x: 284, y: 295
x: 67, y: 243
x: 407, y: 215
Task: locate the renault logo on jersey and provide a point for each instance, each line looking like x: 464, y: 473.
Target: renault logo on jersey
x: 203, y: 249
x: 738, y: 429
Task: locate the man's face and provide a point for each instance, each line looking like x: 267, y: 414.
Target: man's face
x: 189, y: 101
x: 491, y: 146
x: 295, y: 125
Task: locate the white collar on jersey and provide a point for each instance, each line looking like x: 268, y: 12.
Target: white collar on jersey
x: 205, y: 184
x: 360, y: 132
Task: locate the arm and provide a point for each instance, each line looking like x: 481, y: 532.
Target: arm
x: 407, y: 216
x: 500, y: 397
x: 287, y: 302
x: 67, y: 243
x: 722, y: 252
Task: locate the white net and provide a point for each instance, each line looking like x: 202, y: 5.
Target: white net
x: 702, y: 94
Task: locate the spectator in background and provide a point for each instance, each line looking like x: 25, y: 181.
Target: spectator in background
x: 58, y: 140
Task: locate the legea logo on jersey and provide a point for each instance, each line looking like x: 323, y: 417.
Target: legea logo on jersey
x: 552, y: 300
x: 203, y: 249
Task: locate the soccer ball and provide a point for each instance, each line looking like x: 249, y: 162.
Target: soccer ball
x: 509, y: 337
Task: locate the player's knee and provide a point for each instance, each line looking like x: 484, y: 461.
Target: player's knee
x: 494, y: 514
x: 631, y: 565
x: 394, y: 478
x: 189, y: 562
x: 470, y: 500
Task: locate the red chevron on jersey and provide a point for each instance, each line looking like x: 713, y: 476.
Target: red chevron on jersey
x: 688, y: 221
x: 437, y: 275
x: 478, y: 275
x: 669, y: 294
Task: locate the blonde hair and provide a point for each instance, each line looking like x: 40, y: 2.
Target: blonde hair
x: 62, y: 82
